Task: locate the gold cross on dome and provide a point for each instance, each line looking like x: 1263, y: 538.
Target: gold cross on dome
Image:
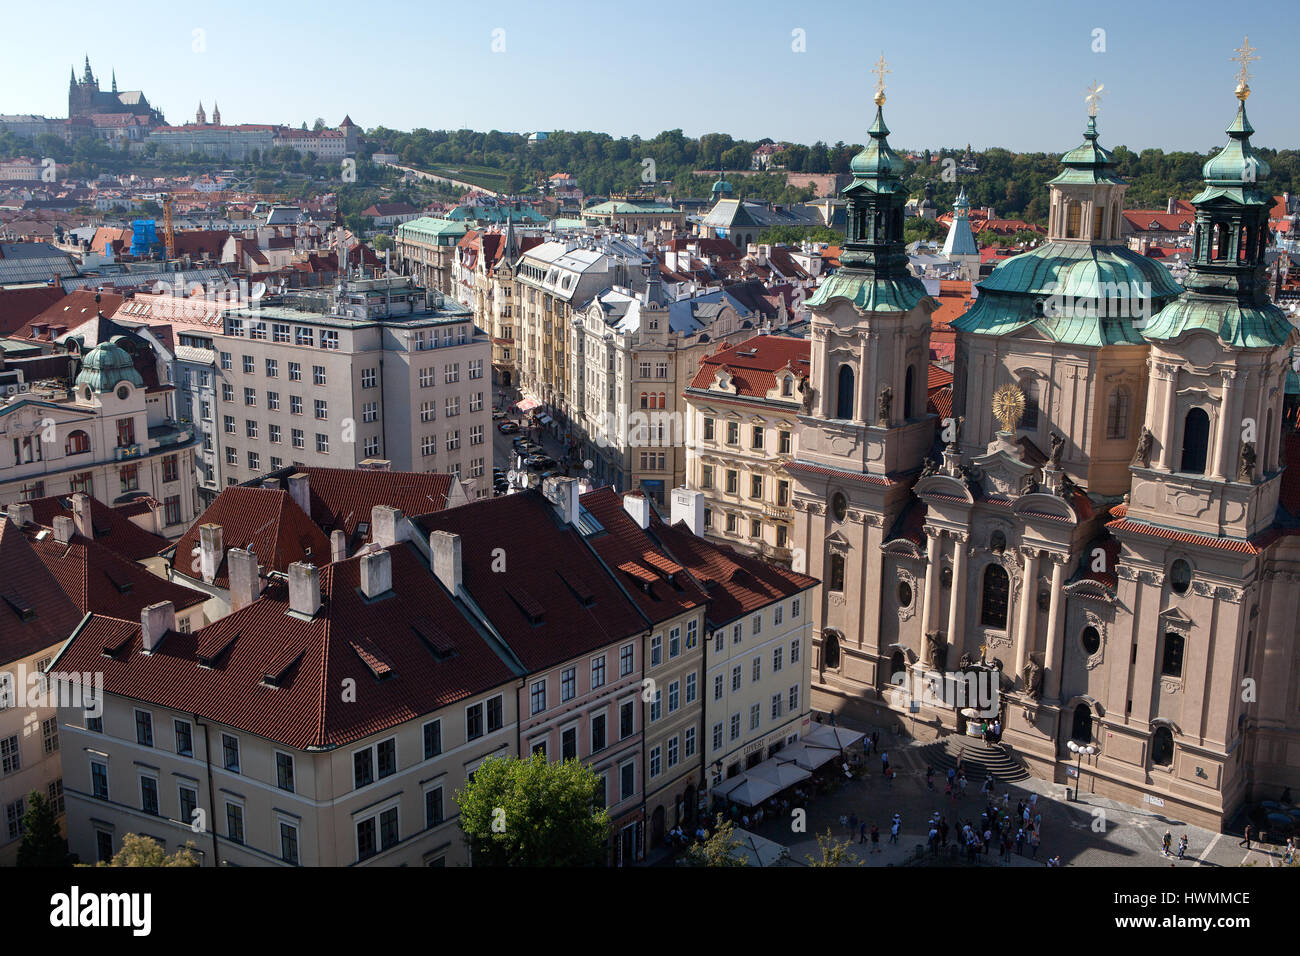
x: 1245, y: 54
x: 880, y: 70
x: 1093, y: 99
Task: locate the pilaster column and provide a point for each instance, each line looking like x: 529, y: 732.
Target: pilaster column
x: 865, y: 378
x: 1028, y: 600
x: 957, y: 595
x: 931, y: 581
x: 1055, y: 624
x: 1169, y: 376
x: 1222, y: 453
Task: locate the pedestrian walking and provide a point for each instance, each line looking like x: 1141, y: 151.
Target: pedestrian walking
x: 875, y: 838
x: 893, y: 831
x: 1182, y: 847
x: 1034, y: 840
x: 988, y: 841
x: 1246, y: 842
x: 1166, y: 841
x: 875, y: 739
x: 863, y: 836
x: 947, y: 791
x: 1020, y: 843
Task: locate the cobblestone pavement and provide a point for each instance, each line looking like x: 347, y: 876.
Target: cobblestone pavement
x: 1093, y: 832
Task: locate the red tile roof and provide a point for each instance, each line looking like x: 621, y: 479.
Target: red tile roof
x: 35, y: 612
x: 754, y: 375
x: 428, y: 652
x: 72, y: 310
x: 112, y: 527
x: 940, y: 402
x: 18, y: 306
x: 654, y: 580
x: 737, y: 584
x: 1239, y: 545
x: 265, y: 521
x: 939, y: 377
x: 545, y: 560
x: 344, y: 497
x: 97, y: 580
x: 1155, y: 220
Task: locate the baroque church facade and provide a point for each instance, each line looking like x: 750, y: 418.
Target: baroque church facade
x: 1102, y: 526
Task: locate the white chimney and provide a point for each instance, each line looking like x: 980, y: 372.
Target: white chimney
x: 300, y: 491
x: 211, y: 547
x: 20, y: 514
x: 444, y: 547
x: 155, y: 621
x: 387, y: 526
x: 638, y: 506
x: 688, y: 506
x: 563, y: 494
x: 338, y: 545
x: 376, y: 573
x: 64, y: 528
x: 304, y: 589
x: 245, y: 578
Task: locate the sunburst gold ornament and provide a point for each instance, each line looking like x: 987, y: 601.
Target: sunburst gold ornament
x: 1008, y: 406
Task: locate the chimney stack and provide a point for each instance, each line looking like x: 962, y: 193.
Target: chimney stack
x: 387, y: 526
x: 563, y: 494
x: 688, y: 506
x: 444, y: 547
x: 245, y: 578
x: 81, y: 515
x: 338, y: 545
x: 376, y: 573
x: 638, y: 506
x: 272, y: 483
x: 20, y: 514
x: 304, y: 588
x: 64, y: 528
x: 211, y: 547
x: 155, y: 621
x: 300, y: 491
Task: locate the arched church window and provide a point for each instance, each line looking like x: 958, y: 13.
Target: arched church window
x: 1171, y: 661
x: 1090, y: 640
x: 1196, y: 441
x: 1243, y: 245
x: 1097, y: 217
x: 1220, y: 241
x: 1081, y: 729
x: 997, y: 591
x: 844, y: 393
x: 1114, y: 221
x: 1029, y: 420
x: 897, y: 666
x: 909, y: 386
x: 904, y: 594
x: 1073, y: 213
x: 836, y: 573
x: 839, y: 506
x: 1180, y: 576
x: 831, y: 649
x: 1162, y: 747
x: 1117, y: 414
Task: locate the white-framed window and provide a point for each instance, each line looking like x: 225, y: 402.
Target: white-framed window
x: 674, y: 642
x: 655, y: 762
x: 374, y: 762
x: 794, y: 698
x: 794, y: 651
x: 656, y: 650
x: 776, y: 658
x: 568, y: 684
x: 625, y: 659
x: 689, y: 742
x: 717, y: 736
x: 672, y: 752
x: 657, y: 706
x: 717, y: 686
x: 378, y: 832
x: 432, y: 732
x: 284, y: 778
x: 755, y: 716
x: 288, y: 842
x: 537, y: 696
x: 735, y: 678
x: 230, y: 752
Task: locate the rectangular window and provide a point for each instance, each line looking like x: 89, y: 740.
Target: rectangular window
x: 144, y: 728
x: 689, y: 741
x: 370, y: 412
x: 272, y: 368
x: 322, y: 409
x: 184, y: 738
x: 717, y: 736
x: 655, y: 762
x: 284, y: 771
x: 254, y: 461
x: 432, y: 739
x: 322, y: 443
x: 99, y: 779
x: 672, y: 751
x: 717, y: 686
x: 776, y: 659
x: 627, y: 780
x: 692, y: 634
x: 273, y: 401
x: 289, y: 843
x: 363, y: 768
x: 368, y: 379
x: 758, y: 623
x: 295, y: 404
x: 794, y: 651
x: 756, y: 669
x: 227, y: 392
x: 708, y: 429
x: 794, y: 698
x: 625, y: 660
x: 189, y: 802
x: 295, y: 371
x: 626, y: 719
x: 495, y: 714
x: 657, y: 706
x: 733, y: 433
x: 674, y: 642
x: 299, y: 438
x: 674, y: 696
x: 568, y: 684
x: 249, y: 364
x: 303, y: 336
x: 386, y: 754
x: 274, y: 434
x: 537, y: 696
x: 318, y: 375
x: 250, y: 396
x: 755, y: 716
x: 230, y: 752
x: 691, y: 687
x: 794, y: 609
x: 735, y: 726
x: 279, y: 332
x: 257, y: 330
x: 235, y: 823
x: 474, y: 722
x: 226, y: 361
x: 597, y: 733
x: 149, y: 795
x: 10, y: 759
x: 776, y: 706
x: 569, y: 744
x: 329, y: 339
x: 14, y: 813
x: 735, y: 678
x: 783, y: 444
x: 656, y: 650
x: 250, y: 428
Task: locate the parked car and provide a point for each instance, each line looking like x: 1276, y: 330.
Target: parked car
x: 498, y: 414
x: 535, y: 462
x: 508, y: 427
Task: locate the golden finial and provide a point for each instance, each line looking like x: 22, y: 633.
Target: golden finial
x: 1245, y: 54
x: 1008, y: 407
x: 1093, y: 99
x: 880, y: 70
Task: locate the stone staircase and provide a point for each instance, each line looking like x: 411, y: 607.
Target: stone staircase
x: 978, y: 759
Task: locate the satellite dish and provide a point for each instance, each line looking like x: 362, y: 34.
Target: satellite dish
x: 589, y: 464
x: 258, y: 290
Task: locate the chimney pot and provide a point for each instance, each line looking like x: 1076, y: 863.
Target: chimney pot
x: 20, y: 514
x: 304, y: 588
x: 338, y: 545
x: 64, y: 528
x: 688, y: 506
x: 387, y: 526
x: 638, y: 506
x: 211, y: 548
x: 155, y: 621
x: 245, y: 578
x: 300, y: 491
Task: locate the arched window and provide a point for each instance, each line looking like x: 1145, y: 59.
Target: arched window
x: 78, y: 443
x: 997, y: 589
x: 1266, y: 462
x: 1073, y: 213
x: 844, y: 393
x: 836, y: 573
x: 1220, y: 241
x: 1117, y: 414
x: 839, y: 506
x: 1180, y: 576
x: 1243, y: 246
x: 787, y: 385
x: 909, y: 386
x: 1098, y: 213
x: 1196, y: 441
x: 1162, y: 747
x: 1090, y: 640
x: 897, y: 666
x: 831, y: 649
x: 1029, y: 420
x: 1081, y: 730
x: 1114, y: 221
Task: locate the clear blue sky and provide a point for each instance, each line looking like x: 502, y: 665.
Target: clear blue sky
x: 1009, y: 73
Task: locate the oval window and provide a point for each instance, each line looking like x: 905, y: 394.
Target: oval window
x: 904, y: 594
x: 839, y: 507
x: 123, y: 392
x: 1180, y: 576
x: 1091, y: 640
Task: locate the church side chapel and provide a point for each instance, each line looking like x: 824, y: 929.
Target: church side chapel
x: 1104, y: 523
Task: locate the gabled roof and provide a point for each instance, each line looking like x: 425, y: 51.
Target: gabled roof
x: 277, y: 675
x: 342, y: 498
x: 112, y: 527
x: 657, y: 583
x: 35, y: 612
x: 535, y: 606
x: 754, y: 364
x: 265, y: 521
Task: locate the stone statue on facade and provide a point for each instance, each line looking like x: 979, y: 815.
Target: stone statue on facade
x: 1246, y: 468
x: 1068, y: 487
x: 931, y: 468
x: 1033, y: 679
x: 957, y: 423
x: 936, y: 650
x: 884, y: 403
x: 965, y: 663
x: 1142, y: 456
x: 806, y: 394
x: 1058, y: 448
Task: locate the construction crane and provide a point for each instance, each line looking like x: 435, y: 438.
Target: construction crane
x: 169, y: 232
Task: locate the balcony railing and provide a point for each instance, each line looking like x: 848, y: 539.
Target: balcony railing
x: 122, y: 452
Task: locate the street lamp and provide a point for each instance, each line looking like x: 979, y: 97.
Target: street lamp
x: 1080, y: 751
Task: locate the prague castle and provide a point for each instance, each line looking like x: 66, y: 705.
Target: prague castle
x: 1105, y: 524
x: 85, y: 98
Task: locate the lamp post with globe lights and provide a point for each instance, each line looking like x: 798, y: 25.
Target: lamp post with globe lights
x: 1080, y: 751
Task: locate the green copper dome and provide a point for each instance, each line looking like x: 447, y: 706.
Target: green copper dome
x: 1089, y: 163
x: 1237, y: 166
x: 721, y: 186
x: 106, y: 366
x: 877, y: 167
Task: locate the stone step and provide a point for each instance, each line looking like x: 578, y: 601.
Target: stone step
x: 978, y: 759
